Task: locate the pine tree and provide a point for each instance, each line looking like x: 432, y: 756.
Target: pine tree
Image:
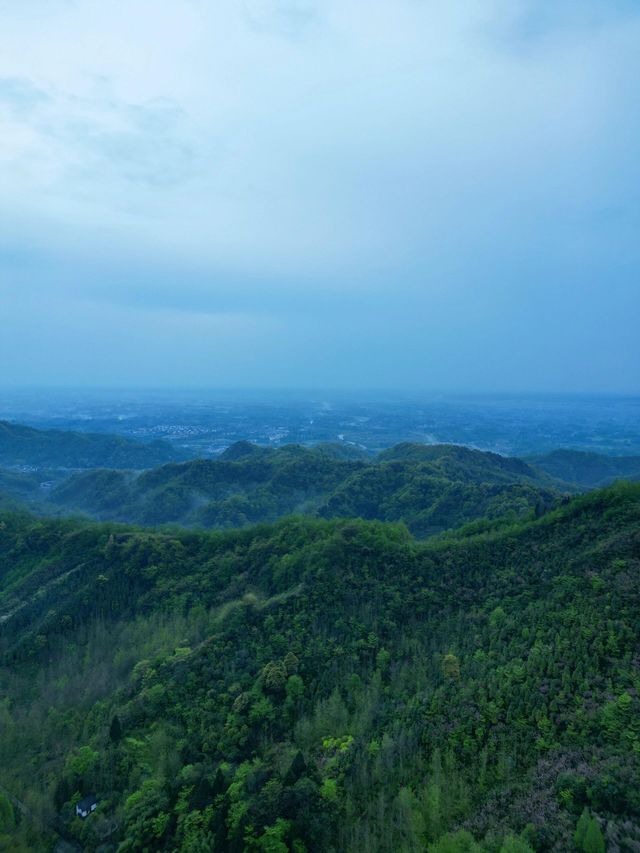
x: 581, y: 828
x: 115, y: 729
x: 594, y: 839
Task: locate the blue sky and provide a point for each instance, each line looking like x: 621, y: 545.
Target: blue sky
x: 320, y: 193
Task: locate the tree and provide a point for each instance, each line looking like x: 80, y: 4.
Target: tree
x: 144, y: 816
x: 581, y: 828
x: 82, y: 762
x: 456, y: 842
x: 512, y: 844
x: 115, y: 729
x: 297, y: 769
x: 383, y: 659
x: 291, y: 663
x: 408, y: 820
x: 275, y: 676
x: 594, y: 839
x: 272, y: 839
x: 295, y: 688
x: 451, y: 667
x: 7, y: 816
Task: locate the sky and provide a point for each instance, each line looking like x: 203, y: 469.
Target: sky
x: 353, y: 194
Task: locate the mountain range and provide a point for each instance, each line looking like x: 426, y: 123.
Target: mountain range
x: 432, y: 649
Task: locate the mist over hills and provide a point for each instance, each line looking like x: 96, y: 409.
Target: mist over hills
x: 428, y: 488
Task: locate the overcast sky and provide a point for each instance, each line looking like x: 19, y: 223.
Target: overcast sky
x: 408, y: 194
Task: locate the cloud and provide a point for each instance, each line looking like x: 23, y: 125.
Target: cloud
x: 418, y: 172
x: 538, y: 21
x: 21, y: 97
x: 291, y: 19
x: 77, y: 145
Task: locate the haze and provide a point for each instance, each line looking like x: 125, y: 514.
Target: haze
x: 320, y: 193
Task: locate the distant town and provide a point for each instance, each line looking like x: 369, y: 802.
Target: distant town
x: 205, y: 423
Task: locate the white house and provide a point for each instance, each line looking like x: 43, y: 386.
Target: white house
x: 86, y: 805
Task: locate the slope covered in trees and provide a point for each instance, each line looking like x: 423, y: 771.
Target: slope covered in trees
x: 325, y: 685
x: 428, y: 488
x: 24, y: 446
x: 586, y: 469
x: 19, y: 487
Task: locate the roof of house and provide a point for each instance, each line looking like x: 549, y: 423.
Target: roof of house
x: 86, y: 802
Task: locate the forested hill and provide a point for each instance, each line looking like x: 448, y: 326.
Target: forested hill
x: 25, y: 446
x: 588, y: 469
x: 325, y: 685
x: 428, y: 488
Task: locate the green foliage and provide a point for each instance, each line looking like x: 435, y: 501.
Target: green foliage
x: 145, y: 820
x: 594, y: 839
x: 81, y: 762
x: 115, y: 729
x: 430, y: 489
x: 274, y: 676
x: 456, y: 842
x: 319, y: 685
x: 512, y: 844
x: 272, y: 839
x: 7, y: 815
x: 586, y: 468
x: 451, y: 667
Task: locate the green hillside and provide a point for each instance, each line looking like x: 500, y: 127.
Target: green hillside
x: 17, y: 486
x: 324, y: 685
x: 428, y: 488
x: 24, y: 446
x: 588, y: 469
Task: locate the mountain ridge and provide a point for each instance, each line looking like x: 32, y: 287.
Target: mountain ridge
x: 429, y: 488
